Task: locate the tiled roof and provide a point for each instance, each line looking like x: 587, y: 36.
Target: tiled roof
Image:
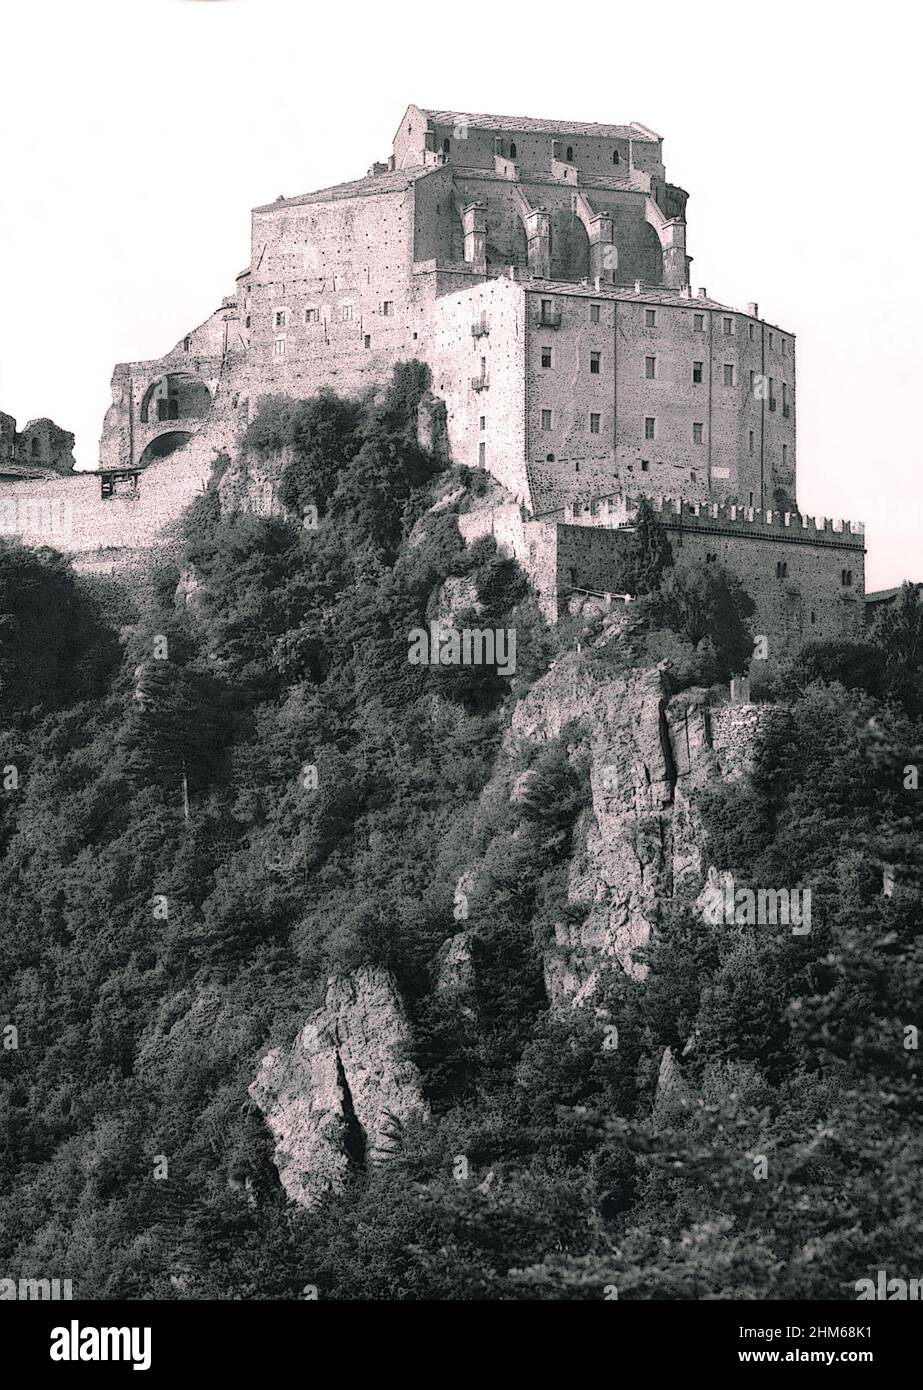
x: 528, y: 124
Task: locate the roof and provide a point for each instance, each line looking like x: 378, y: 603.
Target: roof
x: 528, y: 124
x: 649, y: 294
x: 392, y: 182
x: 886, y: 595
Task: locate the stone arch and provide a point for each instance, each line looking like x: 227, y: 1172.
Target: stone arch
x: 162, y: 445
x: 175, y: 396
x: 570, y: 246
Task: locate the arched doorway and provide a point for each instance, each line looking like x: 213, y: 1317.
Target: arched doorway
x: 175, y: 396
x: 163, y: 446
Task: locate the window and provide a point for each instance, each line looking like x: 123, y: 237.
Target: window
x: 482, y: 423
x: 594, y: 363
x: 650, y: 318
x: 784, y: 346
x: 280, y: 318
x: 752, y: 380
x: 367, y: 340
x: 594, y: 313
x: 546, y: 419
x: 729, y: 373
x: 728, y: 327
x: 482, y: 453
x: 247, y: 321
x: 186, y: 344
x: 446, y: 146
x: 751, y: 441
x: 770, y: 340
x: 546, y: 356
x: 312, y: 315
x: 784, y: 455
x: 697, y: 432
x: 649, y: 426
x: 594, y: 424
x: 692, y: 477
x: 698, y: 323
x: 347, y: 312
x: 751, y: 499
x: 616, y: 157
x: 549, y: 458
x: 512, y: 149
x: 645, y: 465
x: 278, y: 348
x: 387, y: 308
x: 752, y: 327
x: 711, y: 558
x: 650, y: 368
x: 570, y: 154
x: 781, y: 569
x: 846, y: 578
x: 697, y: 373
x: 785, y: 406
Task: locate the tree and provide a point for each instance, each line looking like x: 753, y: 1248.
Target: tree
x: 707, y: 603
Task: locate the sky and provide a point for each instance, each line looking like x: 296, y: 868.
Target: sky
x: 135, y: 136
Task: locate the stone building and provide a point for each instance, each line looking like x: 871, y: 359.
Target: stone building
x: 540, y: 268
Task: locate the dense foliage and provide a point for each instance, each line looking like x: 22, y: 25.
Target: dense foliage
x: 219, y: 804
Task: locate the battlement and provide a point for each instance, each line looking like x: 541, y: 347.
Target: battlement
x: 675, y: 513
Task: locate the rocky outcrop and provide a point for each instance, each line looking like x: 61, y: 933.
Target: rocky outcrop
x: 251, y: 484
x: 641, y: 843
x: 336, y: 1097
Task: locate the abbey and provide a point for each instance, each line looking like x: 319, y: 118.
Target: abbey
x: 540, y: 269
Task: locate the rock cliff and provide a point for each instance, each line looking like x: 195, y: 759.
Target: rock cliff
x: 336, y: 1097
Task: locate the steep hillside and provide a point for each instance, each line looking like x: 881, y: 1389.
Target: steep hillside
x: 329, y: 970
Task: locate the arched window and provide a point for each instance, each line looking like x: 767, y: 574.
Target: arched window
x: 445, y: 145
x: 616, y: 157
x: 512, y: 149
x: 570, y: 154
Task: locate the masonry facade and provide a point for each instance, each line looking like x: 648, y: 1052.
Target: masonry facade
x: 541, y: 269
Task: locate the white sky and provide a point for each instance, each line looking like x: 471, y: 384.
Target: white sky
x: 135, y: 136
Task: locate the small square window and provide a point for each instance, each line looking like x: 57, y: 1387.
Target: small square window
x: 546, y: 356
x: 312, y: 315
x: 594, y: 424
x: 728, y: 327
x: 650, y: 368
x: 546, y: 419
x: 649, y: 426
x: 595, y: 358
x: 698, y: 430
x: 697, y: 373
x: 650, y: 318
x: 594, y: 313
x: 698, y: 323
x: 729, y: 373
